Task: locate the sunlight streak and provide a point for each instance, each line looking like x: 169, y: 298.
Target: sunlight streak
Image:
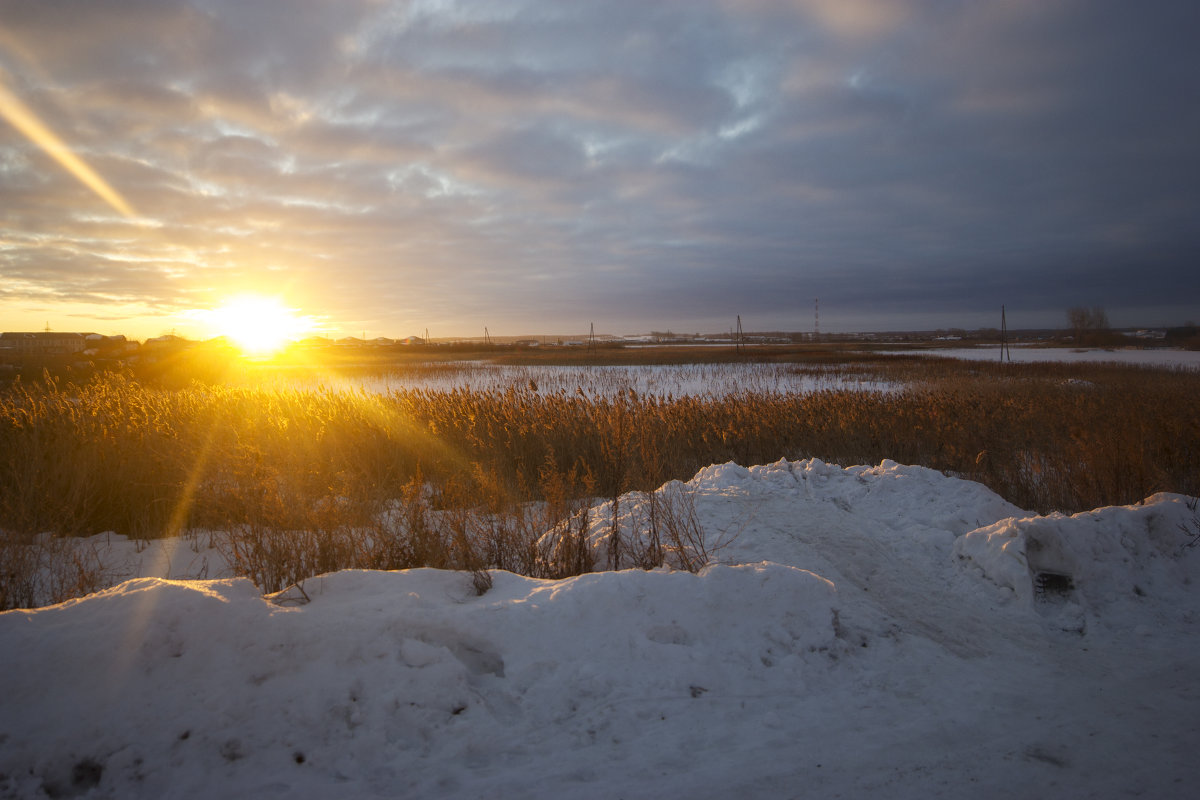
x: 24, y: 120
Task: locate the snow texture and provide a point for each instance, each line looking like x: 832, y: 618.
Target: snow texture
x: 870, y: 631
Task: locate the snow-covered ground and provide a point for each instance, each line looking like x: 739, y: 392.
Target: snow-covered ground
x: 871, y: 632
x: 1156, y: 358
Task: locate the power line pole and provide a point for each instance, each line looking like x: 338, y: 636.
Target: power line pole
x: 816, y: 319
x: 739, y: 343
x: 1004, y: 353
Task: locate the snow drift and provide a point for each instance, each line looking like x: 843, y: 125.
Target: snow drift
x: 871, y: 630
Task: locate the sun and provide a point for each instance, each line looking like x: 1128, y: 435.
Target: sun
x: 258, y: 325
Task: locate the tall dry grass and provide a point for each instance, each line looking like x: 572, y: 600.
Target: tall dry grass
x: 309, y: 481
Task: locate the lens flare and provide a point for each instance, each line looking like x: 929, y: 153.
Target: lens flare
x: 24, y: 120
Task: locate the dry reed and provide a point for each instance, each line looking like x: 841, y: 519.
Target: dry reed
x: 310, y: 481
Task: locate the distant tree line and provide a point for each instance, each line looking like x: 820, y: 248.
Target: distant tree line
x: 1089, y: 326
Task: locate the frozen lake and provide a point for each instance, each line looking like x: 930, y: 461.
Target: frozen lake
x: 688, y: 380
x: 1159, y: 358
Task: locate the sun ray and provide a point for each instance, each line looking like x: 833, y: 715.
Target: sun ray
x: 24, y: 120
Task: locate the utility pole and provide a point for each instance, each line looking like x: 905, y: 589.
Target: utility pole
x: 487, y: 337
x: 739, y: 343
x: 1004, y: 353
x: 817, y: 319
x: 591, y: 348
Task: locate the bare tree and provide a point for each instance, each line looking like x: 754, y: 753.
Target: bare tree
x: 1087, y: 324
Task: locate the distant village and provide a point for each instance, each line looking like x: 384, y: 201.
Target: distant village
x: 63, y: 343
x: 22, y: 351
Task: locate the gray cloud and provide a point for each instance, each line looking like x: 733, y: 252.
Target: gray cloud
x: 524, y: 165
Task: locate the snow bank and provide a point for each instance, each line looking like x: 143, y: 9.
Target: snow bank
x: 165, y: 687
x: 802, y: 511
x: 873, y: 631
x: 1122, y: 566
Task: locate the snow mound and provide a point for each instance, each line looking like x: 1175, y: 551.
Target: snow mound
x: 872, y: 631
x: 166, y: 686
x: 1124, y: 565
x: 801, y: 512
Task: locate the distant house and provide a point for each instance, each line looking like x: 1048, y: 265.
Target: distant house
x: 167, y: 338
x: 41, y: 343
x: 97, y: 344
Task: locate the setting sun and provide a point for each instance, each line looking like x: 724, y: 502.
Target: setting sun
x: 257, y: 325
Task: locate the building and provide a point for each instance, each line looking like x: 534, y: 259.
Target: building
x: 41, y: 343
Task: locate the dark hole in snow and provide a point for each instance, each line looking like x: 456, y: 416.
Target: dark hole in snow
x: 458, y: 710
x: 1037, y: 754
x: 1052, y: 586
x: 232, y: 750
x: 298, y: 757
x: 86, y: 774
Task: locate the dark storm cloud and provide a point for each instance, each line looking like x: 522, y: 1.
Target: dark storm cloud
x: 525, y: 164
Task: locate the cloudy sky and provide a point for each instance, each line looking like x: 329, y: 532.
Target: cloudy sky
x: 534, y: 166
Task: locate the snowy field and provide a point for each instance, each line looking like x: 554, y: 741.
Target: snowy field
x: 689, y: 380
x: 1157, y: 358
x: 871, y: 632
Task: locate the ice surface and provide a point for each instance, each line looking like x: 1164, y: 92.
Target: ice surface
x: 659, y: 380
x: 1165, y: 357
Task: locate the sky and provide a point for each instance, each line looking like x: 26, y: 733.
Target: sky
x: 391, y: 168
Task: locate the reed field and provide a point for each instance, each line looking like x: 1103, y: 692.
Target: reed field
x: 303, y: 481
